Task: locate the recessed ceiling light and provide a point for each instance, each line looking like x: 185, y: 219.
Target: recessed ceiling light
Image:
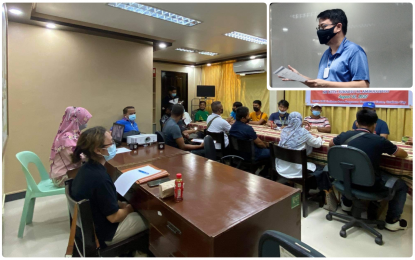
x: 162, y: 45
x: 252, y: 57
x: 185, y: 50
x: 156, y: 13
x: 285, y: 29
x: 208, y: 64
x: 51, y: 25
x: 15, y: 11
x: 246, y: 37
x: 208, y: 53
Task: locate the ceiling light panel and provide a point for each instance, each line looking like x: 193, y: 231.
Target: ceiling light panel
x: 246, y: 37
x: 156, y: 13
x: 197, y: 51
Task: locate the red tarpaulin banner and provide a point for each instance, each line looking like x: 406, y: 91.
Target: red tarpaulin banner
x: 356, y: 98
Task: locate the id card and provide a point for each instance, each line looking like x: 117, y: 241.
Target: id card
x: 326, y: 73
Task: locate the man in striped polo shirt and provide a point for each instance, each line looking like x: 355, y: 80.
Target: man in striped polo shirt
x: 316, y: 121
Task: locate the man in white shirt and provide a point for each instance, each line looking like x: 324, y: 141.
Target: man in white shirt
x: 216, y: 124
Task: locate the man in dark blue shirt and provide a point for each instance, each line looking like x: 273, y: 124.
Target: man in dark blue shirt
x: 374, y: 146
x: 241, y: 130
x: 381, y: 126
x: 280, y: 118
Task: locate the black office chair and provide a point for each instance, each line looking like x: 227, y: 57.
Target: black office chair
x: 85, y: 245
x: 349, y: 165
x: 160, y: 136
x: 299, y: 157
x: 161, y: 125
x: 209, y: 146
x: 246, y: 149
x: 220, y: 139
x: 271, y: 242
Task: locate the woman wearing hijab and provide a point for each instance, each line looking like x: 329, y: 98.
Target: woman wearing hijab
x: 295, y: 137
x: 73, y: 121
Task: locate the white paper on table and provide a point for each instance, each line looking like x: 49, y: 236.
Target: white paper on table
x: 288, y: 74
x: 122, y: 150
x: 127, y: 179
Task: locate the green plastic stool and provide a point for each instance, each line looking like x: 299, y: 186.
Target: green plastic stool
x: 43, y: 189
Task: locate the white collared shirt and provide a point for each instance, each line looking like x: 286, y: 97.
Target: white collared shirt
x: 219, y: 125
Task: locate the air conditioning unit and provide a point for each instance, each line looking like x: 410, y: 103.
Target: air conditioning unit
x: 250, y: 66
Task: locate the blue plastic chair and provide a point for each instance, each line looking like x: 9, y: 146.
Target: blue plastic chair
x: 43, y: 189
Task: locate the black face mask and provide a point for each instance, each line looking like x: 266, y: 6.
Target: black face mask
x: 234, y: 110
x: 324, y: 36
x: 256, y: 109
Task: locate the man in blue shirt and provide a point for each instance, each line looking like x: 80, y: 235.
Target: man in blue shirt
x: 130, y: 126
x: 344, y: 64
x: 381, y: 126
x: 243, y: 131
x: 280, y: 118
x: 232, y: 118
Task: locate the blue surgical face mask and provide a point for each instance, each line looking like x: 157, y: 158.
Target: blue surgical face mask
x: 316, y: 113
x: 132, y: 117
x: 281, y: 112
x: 82, y: 127
x: 173, y: 94
x: 112, y: 151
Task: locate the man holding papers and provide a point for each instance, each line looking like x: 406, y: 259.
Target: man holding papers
x: 344, y: 64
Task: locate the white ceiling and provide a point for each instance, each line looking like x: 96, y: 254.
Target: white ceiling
x: 217, y: 19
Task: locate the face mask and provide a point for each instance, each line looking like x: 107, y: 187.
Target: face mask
x: 325, y: 36
x: 82, y: 127
x: 112, y: 151
x: 282, y: 113
x: 316, y: 113
x: 234, y: 110
x: 256, y: 109
x: 132, y: 117
x: 173, y: 94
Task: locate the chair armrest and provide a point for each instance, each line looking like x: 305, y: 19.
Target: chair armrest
x: 390, y: 184
x: 233, y: 156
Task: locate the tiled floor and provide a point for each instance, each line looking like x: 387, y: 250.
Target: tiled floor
x: 48, y: 235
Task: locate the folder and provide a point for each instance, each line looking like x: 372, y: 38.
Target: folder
x: 152, y: 176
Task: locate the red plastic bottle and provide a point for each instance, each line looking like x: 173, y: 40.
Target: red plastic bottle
x: 178, y: 188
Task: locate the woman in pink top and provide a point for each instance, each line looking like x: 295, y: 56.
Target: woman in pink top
x: 73, y: 121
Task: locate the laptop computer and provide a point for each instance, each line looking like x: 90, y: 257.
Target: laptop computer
x: 117, y: 132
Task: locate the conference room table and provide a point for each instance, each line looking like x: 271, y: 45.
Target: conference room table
x: 224, y: 211
x: 399, y: 167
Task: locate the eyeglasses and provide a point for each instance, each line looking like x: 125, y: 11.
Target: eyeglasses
x: 108, y: 144
x: 323, y: 26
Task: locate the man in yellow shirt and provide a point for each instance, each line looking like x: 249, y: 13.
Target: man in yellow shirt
x: 258, y: 117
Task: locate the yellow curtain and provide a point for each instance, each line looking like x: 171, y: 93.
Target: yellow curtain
x: 399, y: 120
x: 231, y: 87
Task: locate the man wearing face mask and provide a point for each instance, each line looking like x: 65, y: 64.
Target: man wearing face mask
x: 171, y: 96
x: 280, y: 118
x: 257, y: 116
x: 130, y: 126
x: 216, y: 124
x: 173, y: 134
x: 316, y: 121
x: 241, y: 130
x: 381, y: 126
x: 232, y: 118
x: 374, y: 146
x: 344, y: 64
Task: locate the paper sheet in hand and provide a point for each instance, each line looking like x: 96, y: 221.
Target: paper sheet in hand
x: 127, y: 179
x: 122, y: 150
x: 187, y: 118
x: 288, y: 74
x: 174, y: 101
x: 197, y: 140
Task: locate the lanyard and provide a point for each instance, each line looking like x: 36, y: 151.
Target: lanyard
x: 282, y: 122
x: 335, y: 56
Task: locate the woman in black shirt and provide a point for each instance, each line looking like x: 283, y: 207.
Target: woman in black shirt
x: 114, y: 220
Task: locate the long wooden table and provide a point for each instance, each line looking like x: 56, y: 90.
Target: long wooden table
x: 224, y: 211
x: 399, y: 167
